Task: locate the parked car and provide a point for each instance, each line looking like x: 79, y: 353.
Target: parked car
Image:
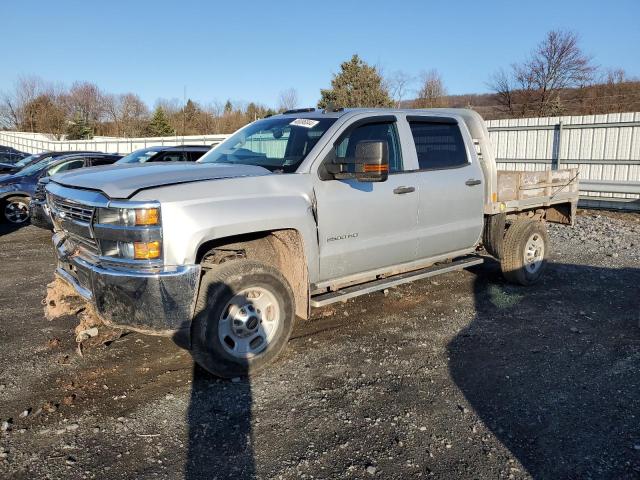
x: 39, y: 211
x: 5, y: 149
x: 16, y: 190
x: 297, y: 211
x: 35, y: 158
x: 180, y: 153
x: 11, y: 157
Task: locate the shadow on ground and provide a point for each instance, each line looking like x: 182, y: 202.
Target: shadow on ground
x: 562, y: 395
x: 7, y: 228
x: 219, y: 415
x: 219, y: 422
x: 555, y: 377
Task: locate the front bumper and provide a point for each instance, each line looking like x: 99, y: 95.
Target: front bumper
x: 39, y: 214
x: 159, y: 302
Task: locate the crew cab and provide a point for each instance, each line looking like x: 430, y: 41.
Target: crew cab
x: 295, y: 211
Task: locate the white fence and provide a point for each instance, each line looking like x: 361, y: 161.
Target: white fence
x: 34, y: 143
x: 604, y: 148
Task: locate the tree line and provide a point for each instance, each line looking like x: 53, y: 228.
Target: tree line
x: 556, y: 78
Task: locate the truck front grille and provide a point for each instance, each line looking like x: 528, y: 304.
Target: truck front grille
x: 72, y: 210
x: 75, y: 220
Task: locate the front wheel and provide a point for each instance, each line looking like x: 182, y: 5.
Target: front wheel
x: 243, y: 318
x: 16, y: 210
x: 524, y: 252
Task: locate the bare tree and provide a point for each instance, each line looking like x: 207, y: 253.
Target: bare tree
x: 288, y: 99
x: 557, y: 63
x: 127, y: 112
x: 432, y: 90
x: 26, y: 90
x: 503, y: 85
x: 398, y: 86
x: 85, y: 100
x: 535, y: 85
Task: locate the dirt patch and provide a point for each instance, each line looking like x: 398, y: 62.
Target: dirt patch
x: 61, y: 300
x: 461, y: 376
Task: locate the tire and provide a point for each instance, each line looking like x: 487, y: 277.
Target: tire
x: 524, y: 252
x: 15, y: 210
x: 225, y: 339
x: 493, y: 234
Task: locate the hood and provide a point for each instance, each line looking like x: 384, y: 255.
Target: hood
x: 123, y: 181
x: 7, y: 178
x: 8, y: 166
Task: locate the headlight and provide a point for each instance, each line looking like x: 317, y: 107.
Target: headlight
x: 131, y: 250
x: 128, y: 217
x: 129, y: 233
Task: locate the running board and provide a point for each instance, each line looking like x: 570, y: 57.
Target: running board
x: 375, y: 285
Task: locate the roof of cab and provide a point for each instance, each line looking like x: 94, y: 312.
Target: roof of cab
x: 319, y: 113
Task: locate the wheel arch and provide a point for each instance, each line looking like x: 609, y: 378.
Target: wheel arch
x: 283, y: 249
x: 17, y: 193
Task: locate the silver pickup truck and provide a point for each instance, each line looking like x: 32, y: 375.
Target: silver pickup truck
x: 295, y: 211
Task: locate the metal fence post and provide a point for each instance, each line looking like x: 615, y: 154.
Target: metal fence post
x: 559, y: 152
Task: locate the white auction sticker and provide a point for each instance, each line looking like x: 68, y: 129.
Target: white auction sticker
x: 304, y: 122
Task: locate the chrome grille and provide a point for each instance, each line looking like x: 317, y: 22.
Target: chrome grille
x: 75, y: 220
x: 73, y: 211
x: 88, y: 244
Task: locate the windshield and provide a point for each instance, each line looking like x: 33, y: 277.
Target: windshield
x: 36, y: 167
x: 139, y: 156
x: 25, y: 161
x: 278, y: 143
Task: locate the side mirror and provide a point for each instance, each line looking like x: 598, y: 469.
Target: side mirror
x: 370, y: 163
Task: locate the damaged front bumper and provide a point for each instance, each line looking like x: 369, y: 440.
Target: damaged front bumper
x: 159, y: 301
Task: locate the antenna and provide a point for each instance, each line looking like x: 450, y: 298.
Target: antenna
x: 184, y: 111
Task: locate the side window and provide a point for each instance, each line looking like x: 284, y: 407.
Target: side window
x: 386, y: 132
x: 101, y: 161
x: 170, y: 156
x: 63, y: 167
x: 195, y: 155
x: 438, y: 145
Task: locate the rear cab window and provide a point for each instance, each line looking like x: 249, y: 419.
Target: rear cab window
x: 439, y: 143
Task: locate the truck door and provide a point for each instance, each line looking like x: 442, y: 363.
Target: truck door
x: 363, y: 226
x: 449, y: 179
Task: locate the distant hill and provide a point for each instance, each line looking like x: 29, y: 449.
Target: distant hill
x: 594, y: 99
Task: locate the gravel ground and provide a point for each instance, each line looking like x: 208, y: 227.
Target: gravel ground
x: 460, y: 376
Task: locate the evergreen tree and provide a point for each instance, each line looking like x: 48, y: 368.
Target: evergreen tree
x: 357, y: 85
x: 190, y: 110
x: 78, y: 128
x: 159, y: 125
x: 228, y: 107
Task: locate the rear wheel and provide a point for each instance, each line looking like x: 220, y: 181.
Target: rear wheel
x: 16, y: 210
x: 524, y: 252
x: 243, y: 319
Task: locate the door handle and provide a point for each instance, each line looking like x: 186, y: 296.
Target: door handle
x: 401, y: 190
x: 471, y: 182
